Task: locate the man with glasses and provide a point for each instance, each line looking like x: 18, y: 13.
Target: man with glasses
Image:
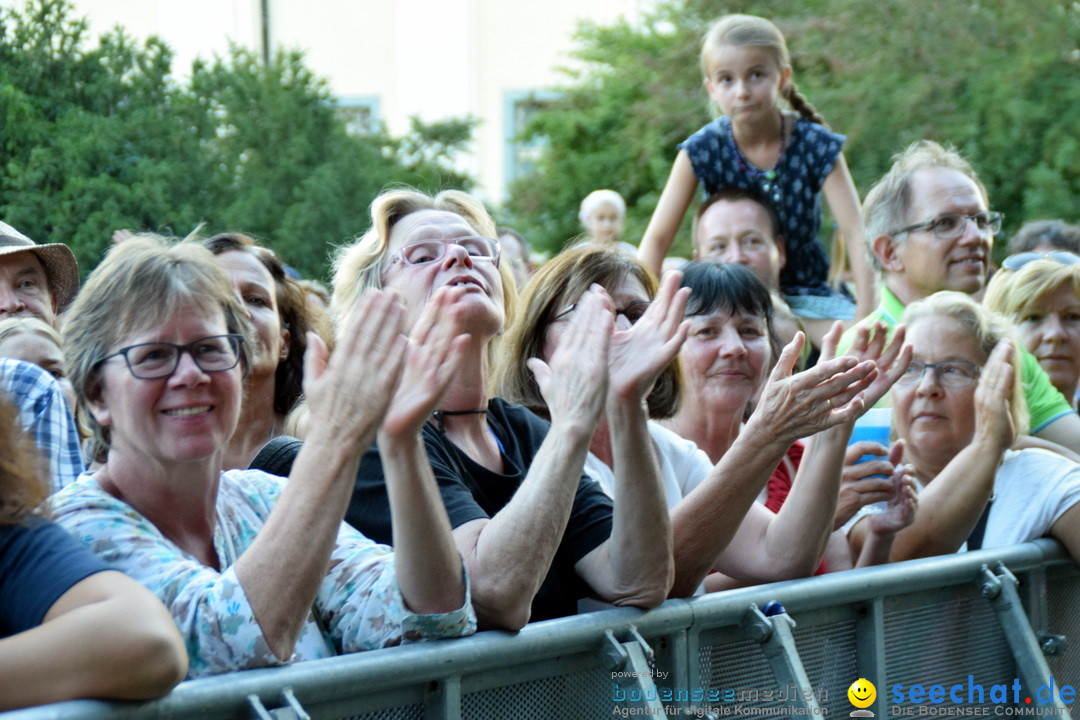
x: 929, y: 228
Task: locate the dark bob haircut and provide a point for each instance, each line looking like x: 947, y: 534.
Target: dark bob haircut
x: 728, y: 288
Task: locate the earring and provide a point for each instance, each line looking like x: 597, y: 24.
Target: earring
x: 284, y: 356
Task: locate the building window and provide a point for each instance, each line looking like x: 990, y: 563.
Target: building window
x: 522, y: 155
x: 360, y: 114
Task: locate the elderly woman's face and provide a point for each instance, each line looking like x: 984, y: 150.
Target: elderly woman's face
x: 725, y: 358
x: 450, y: 263
x: 257, y: 291
x: 166, y: 422
x: 1050, y: 330
x: 936, y: 418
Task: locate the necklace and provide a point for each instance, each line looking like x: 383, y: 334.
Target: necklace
x: 767, y: 179
x: 441, y: 424
x: 440, y: 414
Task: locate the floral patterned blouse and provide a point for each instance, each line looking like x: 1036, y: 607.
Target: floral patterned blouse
x: 359, y: 605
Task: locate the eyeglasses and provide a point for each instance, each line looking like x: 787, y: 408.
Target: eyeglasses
x: 632, y: 312
x: 428, y: 251
x: 150, y: 361
x: 1015, y: 262
x: 951, y: 226
x: 952, y: 373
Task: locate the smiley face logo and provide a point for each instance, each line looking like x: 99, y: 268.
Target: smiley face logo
x: 862, y: 693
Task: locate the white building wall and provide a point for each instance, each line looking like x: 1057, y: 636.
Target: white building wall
x: 430, y: 58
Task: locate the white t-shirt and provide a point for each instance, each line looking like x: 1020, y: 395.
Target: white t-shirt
x: 683, y: 465
x: 1032, y: 489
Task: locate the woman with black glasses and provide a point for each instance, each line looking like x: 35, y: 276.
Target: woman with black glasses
x: 958, y: 408
x: 255, y: 571
x: 1040, y: 293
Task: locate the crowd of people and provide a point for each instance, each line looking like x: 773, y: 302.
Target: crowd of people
x: 208, y: 466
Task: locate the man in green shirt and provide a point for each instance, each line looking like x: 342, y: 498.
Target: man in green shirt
x: 929, y: 228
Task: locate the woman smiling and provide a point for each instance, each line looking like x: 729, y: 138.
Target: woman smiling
x: 255, y: 571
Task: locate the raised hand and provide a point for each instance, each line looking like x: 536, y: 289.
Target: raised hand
x: 993, y: 397
x: 434, y: 355
x: 348, y: 393
x: 639, y: 353
x: 903, y: 498
x: 869, y: 344
x: 865, y: 482
x: 828, y: 394
x: 574, y: 380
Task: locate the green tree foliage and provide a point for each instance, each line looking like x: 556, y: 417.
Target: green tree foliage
x: 96, y: 138
x: 996, y: 78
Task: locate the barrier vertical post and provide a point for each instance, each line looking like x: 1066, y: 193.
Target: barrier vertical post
x: 870, y: 648
x: 445, y: 702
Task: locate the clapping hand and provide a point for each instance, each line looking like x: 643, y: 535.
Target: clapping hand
x: 574, y: 380
x: 434, y: 355
x: 828, y: 394
x: 640, y: 352
x: 993, y: 397
x: 869, y: 344
x: 349, y: 392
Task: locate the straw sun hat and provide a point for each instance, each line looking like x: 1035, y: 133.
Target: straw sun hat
x: 60, y: 267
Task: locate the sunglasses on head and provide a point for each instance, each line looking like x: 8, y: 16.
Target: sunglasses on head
x: 1015, y: 262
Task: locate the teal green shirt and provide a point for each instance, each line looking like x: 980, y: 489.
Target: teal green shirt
x: 1045, y: 403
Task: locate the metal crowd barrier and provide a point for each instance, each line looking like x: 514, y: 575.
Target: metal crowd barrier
x: 980, y: 634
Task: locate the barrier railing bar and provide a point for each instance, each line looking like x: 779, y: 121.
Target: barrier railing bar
x: 413, y: 667
x: 868, y: 583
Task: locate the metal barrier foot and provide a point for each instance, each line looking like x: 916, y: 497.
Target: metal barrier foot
x: 773, y: 631
x: 294, y: 711
x: 632, y: 668
x: 1028, y: 653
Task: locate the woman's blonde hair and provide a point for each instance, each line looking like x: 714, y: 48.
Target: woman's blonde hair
x: 11, y: 327
x: 985, y: 327
x: 1015, y: 293
x: 140, y: 284
x: 560, y: 282
x: 360, y: 265
x: 750, y: 30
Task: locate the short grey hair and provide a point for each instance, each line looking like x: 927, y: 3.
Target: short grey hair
x: 886, y: 206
